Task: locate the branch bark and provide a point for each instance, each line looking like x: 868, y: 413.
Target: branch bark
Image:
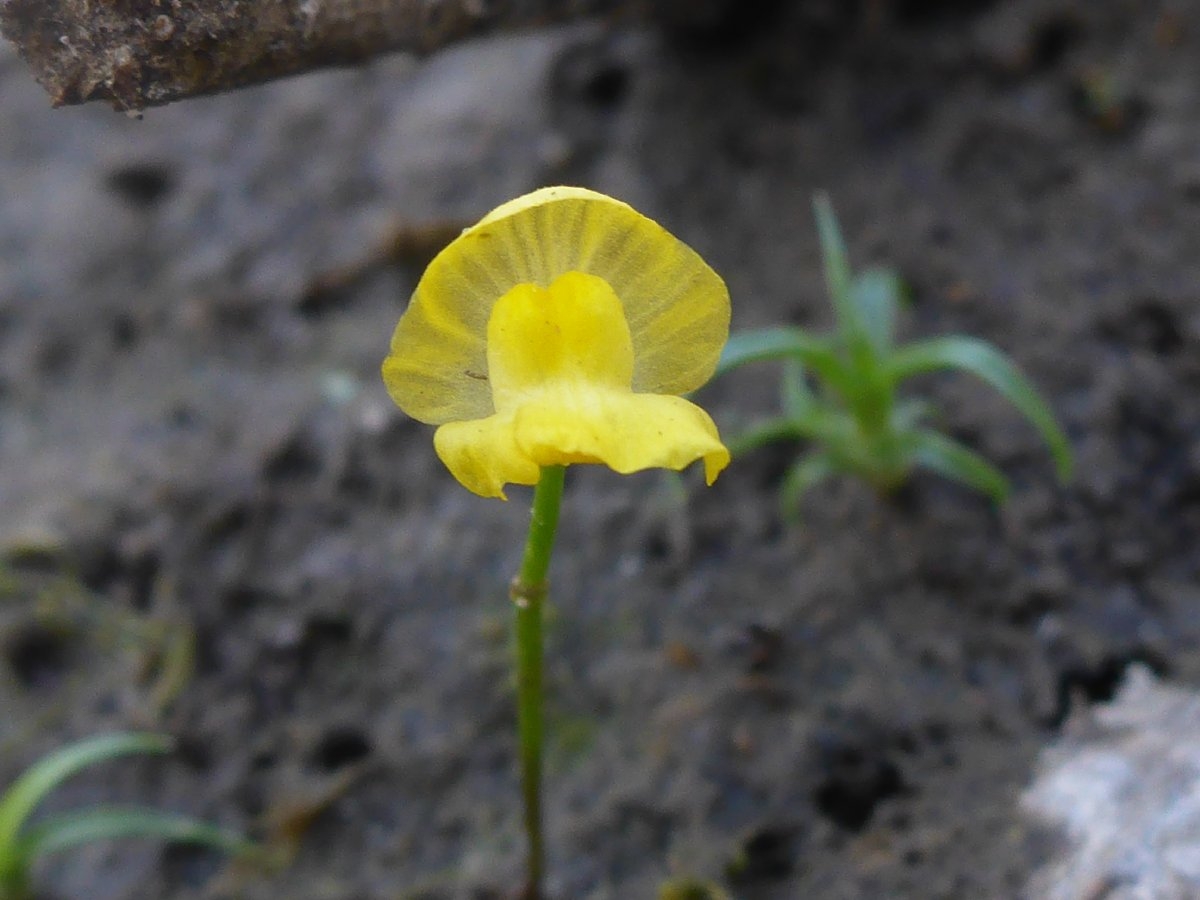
x: 139, y: 53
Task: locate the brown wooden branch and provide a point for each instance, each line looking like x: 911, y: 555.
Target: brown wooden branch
x: 139, y: 53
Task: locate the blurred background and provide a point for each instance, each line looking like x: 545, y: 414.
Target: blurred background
x: 216, y: 524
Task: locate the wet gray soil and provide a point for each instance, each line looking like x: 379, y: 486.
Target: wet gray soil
x: 201, y: 466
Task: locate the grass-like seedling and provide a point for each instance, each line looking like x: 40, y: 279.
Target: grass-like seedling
x: 840, y: 392
x: 21, y: 843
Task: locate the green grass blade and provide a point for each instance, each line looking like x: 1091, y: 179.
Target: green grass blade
x: 46, y: 774
x: 769, y: 432
x: 779, y: 342
x: 863, y: 389
x: 818, y: 423
x: 877, y: 295
x: 786, y: 343
x: 116, y: 822
x: 836, y: 262
x: 952, y: 460
x: 991, y: 366
x: 806, y: 473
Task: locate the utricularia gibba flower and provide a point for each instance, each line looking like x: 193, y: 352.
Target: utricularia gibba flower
x: 562, y: 329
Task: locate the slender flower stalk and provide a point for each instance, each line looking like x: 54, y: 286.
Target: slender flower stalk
x: 528, y: 592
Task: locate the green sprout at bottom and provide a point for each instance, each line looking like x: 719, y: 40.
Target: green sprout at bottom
x: 22, y: 845
x: 851, y: 412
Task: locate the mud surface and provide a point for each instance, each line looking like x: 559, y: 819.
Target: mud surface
x: 218, y: 526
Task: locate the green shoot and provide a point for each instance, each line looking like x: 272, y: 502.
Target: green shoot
x: 840, y: 391
x: 21, y: 844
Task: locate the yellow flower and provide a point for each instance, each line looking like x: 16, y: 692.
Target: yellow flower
x: 560, y: 329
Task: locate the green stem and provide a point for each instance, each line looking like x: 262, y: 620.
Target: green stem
x: 528, y: 591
